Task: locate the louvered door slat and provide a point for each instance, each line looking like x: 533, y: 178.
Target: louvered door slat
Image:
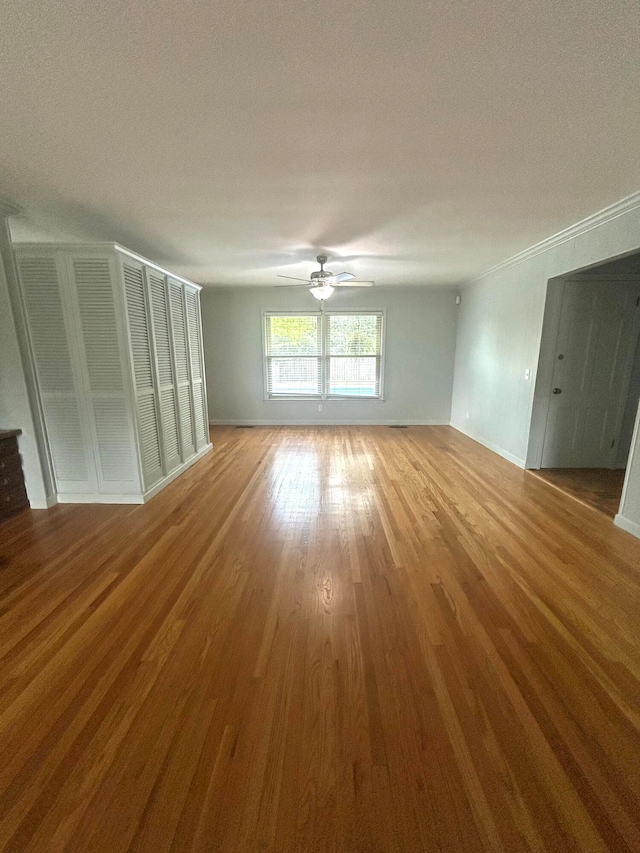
x: 193, y: 326
x: 179, y: 331
x: 181, y: 350
x: 149, y: 440
x: 161, y: 328
x: 195, y: 361
x: 103, y: 360
x: 138, y: 326
x: 142, y: 354
x: 186, y: 419
x: 166, y: 380
x: 114, y: 441
x: 170, y: 424
x: 68, y: 442
x: 198, y: 406
x: 99, y: 331
x: 45, y: 317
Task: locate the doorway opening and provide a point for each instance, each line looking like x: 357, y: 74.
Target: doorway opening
x: 588, y: 383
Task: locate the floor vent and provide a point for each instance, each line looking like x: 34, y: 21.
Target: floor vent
x: 395, y: 426
x: 244, y: 426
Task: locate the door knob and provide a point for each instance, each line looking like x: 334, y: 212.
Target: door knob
x: 557, y: 390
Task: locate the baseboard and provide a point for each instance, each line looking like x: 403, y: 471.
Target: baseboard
x: 175, y: 474
x: 47, y: 503
x: 99, y: 498
x: 630, y: 526
x: 510, y: 457
x: 350, y: 422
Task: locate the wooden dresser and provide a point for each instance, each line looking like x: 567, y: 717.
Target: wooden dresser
x: 13, y: 496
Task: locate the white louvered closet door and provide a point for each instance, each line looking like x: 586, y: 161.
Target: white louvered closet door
x: 48, y: 320
x: 170, y: 438
x: 197, y: 372
x: 104, y: 375
x: 183, y: 369
x: 142, y: 355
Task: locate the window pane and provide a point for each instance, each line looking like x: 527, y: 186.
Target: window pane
x: 357, y: 334
x: 291, y: 376
x: 293, y: 336
x: 353, y: 377
x: 310, y: 355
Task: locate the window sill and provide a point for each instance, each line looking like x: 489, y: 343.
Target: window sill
x: 323, y: 399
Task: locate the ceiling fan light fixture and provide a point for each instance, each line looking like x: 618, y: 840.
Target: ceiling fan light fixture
x: 323, y: 292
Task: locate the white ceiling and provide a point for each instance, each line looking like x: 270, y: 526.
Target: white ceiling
x: 416, y: 142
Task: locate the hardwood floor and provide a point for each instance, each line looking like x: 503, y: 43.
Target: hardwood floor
x: 599, y: 488
x: 329, y: 639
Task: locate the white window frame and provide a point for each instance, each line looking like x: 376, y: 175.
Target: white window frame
x: 324, y: 356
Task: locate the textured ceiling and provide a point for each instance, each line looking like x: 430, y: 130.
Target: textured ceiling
x: 415, y: 142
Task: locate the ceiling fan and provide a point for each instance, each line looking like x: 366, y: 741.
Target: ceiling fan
x: 321, y: 282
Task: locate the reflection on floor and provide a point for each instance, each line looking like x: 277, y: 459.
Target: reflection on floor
x: 322, y: 639
x: 599, y: 488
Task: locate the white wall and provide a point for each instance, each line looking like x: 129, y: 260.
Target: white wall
x: 628, y: 516
x: 498, y: 340
x: 420, y: 347
x: 500, y: 328
x: 630, y: 411
x: 15, y: 408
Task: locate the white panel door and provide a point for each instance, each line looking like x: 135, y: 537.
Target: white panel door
x: 142, y: 355
x: 170, y: 438
x: 49, y: 319
x: 183, y: 368
x: 596, y: 340
x: 103, y: 357
x: 197, y: 371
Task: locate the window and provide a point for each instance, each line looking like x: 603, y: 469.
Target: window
x: 294, y: 355
x: 330, y: 354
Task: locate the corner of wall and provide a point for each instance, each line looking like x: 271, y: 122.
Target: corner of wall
x: 499, y: 330
x: 20, y: 401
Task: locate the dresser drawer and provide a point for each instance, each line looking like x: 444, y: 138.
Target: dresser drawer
x: 9, y: 465
x: 10, y: 478
x: 8, y: 447
x: 13, y: 501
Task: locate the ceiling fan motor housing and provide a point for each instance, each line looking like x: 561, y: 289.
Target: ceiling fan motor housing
x: 321, y: 275
x: 321, y: 282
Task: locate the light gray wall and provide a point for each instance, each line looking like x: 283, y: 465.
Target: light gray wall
x: 420, y: 347
x: 15, y: 408
x: 498, y: 341
x: 500, y: 327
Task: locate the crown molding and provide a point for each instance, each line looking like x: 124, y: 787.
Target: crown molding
x: 607, y: 214
x: 9, y: 209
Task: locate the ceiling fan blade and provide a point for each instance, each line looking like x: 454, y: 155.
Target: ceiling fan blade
x: 306, y: 284
x: 293, y: 278
x: 354, y: 284
x: 343, y: 276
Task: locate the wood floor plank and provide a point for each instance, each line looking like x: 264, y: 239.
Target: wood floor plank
x: 322, y: 639
x: 599, y: 488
